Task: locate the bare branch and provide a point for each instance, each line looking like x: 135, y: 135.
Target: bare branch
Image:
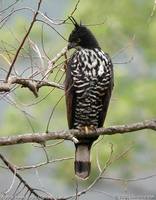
x: 54, y: 60
x: 73, y: 134
x: 75, y: 8
x: 5, y: 9
x: 13, y: 170
x: 32, y: 85
x: 43, y: 163
x: 130, y: 180
x: 45, y: 17
x: 49, y: 83
x: 6, y: 86
x: 23, y: 41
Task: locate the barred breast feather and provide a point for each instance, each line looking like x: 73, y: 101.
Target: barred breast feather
x: 90, y: 82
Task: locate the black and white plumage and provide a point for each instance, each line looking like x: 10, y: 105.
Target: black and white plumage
x: 88, y: 86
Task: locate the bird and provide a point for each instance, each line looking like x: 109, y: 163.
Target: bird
x: 89, y: 83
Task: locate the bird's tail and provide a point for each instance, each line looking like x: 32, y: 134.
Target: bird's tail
x: 82, y: 160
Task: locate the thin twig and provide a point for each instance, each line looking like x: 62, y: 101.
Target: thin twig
x: 43, y: 163
x: 5, y: 9
x: 23, y: 41
x: 13, y: 170
x: 54, y: 60
x: 75, y: 8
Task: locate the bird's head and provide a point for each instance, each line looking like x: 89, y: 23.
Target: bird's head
x: 81, y: 37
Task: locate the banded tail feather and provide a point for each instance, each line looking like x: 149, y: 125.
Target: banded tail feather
x: 82, y: 160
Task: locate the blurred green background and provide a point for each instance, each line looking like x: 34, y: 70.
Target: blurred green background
x: 124, y: 29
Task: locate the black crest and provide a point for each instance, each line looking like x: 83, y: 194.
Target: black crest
x: 74, y: 22
x: 81, y: 36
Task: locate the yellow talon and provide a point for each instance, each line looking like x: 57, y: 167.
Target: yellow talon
x: 86, y: 129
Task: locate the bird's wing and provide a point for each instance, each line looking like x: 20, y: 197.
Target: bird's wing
x: 106, y: 97
x: 69, y: 94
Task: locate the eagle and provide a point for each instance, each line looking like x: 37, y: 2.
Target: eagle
x: 88, y: 88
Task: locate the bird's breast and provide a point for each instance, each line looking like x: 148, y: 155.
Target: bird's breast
x: 91, y: 76
x: 90, y: 69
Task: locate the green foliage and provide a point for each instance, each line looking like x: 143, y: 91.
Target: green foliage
x: 122, y: 20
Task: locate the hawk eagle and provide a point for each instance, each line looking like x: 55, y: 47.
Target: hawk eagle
x: 88, y: 88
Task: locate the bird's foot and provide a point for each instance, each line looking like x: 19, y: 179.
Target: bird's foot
x: 87, y: 129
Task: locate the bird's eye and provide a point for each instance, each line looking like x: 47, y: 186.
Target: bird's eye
x: 78, y: 40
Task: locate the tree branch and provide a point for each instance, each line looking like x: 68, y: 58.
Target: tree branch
x: 23, y: 41
x: 73, y: 134
x: 31, y: 190
x: 53, y: 61
x: 32, y: 84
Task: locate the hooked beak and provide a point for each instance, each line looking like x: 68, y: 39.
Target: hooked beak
x: 71, y: 45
